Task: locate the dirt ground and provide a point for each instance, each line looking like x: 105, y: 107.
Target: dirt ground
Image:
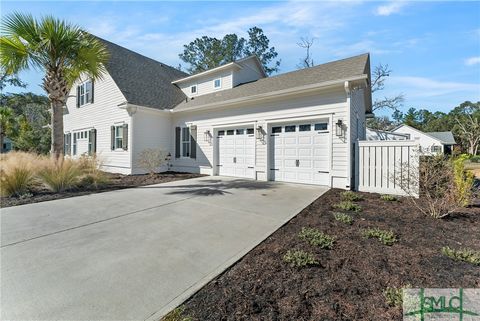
x: 349, y: 282
x: 115, y: 181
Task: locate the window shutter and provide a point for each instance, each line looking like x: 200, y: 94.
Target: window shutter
x: 177, y: 142
x: 91, y: 94
x: 125, y: 137
x: 93, y: 140
x: 193, y: 142
x: 78, y: 96
x: 69, y: 140
x: 112, y: 133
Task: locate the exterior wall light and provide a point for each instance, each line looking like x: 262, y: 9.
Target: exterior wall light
x: 339, y: 128
x: 207, y: 136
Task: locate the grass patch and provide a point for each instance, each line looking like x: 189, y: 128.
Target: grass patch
x: 17, y: 172
x: 348, y: 206
x: 386, y: 237
x: 464, y: 255
x: 344, y: 218
x: 351, y: 196
x: 388, y: 198
x: 176, y: 315
x: 299, y: 258
x: 393, y: 296
x: 316, y: 237
x: 61, y: 175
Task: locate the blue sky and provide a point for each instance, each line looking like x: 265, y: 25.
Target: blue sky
x: 433, y: 48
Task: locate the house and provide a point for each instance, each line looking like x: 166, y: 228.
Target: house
x: 376, y: 134
x: 232, y: 120
x: 429, y: 142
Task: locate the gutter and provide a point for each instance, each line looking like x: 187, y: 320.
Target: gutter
x: 278, y: 93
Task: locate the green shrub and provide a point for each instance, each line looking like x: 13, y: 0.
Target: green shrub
x: 475, y: 159
x: 17, y: 182
x: 389, y: 198
x: 465, y: 255
x: 61, y: 175
x: 386, y: 237
x: 351, y: 196
x: 317, y: 238
x: 299, y: 258
x: 344, y: 218
x: 176, y: 315
x: 463, y: 180
x: 348, y: 206
x: 393, y: 296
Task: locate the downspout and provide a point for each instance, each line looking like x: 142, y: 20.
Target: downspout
x: 349, y: 135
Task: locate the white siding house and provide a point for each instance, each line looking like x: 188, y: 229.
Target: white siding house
x: 428, y: 142
x: 298, y: 127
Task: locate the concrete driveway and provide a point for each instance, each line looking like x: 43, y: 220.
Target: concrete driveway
x: 134, y: 254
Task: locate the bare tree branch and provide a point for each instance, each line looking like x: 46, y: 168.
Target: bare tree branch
x: 306, y: 43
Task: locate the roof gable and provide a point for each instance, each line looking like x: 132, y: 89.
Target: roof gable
x: 142, y: 80
x: 442, y: 137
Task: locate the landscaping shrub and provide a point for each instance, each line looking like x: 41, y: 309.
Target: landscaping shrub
x: 299, y: 258
x: 348, y: 206
x: 389, y: 198
x: 61, y: 175
x: 17, y: 171
x: 344, y: 218
x: 317, y: 238
x: 465, y: 255
x: 151, y: 159
x: 393, y: 296
x: 444, y: 185
x: 176, y: 315
x: 475, y: 159
x: 386, y: 237
x: 351, y: 196
x: 93, y: 176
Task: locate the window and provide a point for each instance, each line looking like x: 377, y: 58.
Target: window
x: 230, y: 132
x: 217, y: 83
x: 290, y: 129
x: 250, y: 131
x: 304, y: 128
x: 185, y: 142
x: 85, y: 93
x: 221, y: 133
x: 118, y: 136
x: 321, y: 126
x: 240, y: 131
x: 276, y: 130
x: 193, y: 89
x: 436, y: 149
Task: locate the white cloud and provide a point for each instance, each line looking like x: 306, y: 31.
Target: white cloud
x: 426, y: 87
x: 390, y: 8
x: 472, y: 61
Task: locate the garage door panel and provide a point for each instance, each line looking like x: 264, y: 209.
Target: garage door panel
x: 299, y: 156
x: 236, y: 152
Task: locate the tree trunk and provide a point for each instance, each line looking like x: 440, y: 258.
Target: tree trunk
x: 57, y: 129
x: 2, y: 137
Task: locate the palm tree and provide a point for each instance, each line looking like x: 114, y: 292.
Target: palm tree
x: 6, y: 123
x: 61, y: 50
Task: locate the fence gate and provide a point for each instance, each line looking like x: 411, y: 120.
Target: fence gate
x: 387, y: 167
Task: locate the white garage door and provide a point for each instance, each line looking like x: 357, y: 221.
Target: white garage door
x: 300, y: 153
x: 236, y: 152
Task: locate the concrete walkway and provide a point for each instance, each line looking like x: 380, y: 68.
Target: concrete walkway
x: 134, y: 254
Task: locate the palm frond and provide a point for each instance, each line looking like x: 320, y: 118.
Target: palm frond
x: 14, y: 55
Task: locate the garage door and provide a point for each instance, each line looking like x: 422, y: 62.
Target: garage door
x: 300, y: 153
x: 236, y: 152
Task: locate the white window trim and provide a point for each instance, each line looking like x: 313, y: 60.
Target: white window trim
x: 182, y: 142
x: 84, y: 86
x: 219, y: 87
x: 118, y: 149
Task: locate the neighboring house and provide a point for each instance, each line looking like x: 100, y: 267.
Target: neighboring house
x: 232, y: 120
x: 7, y: 145
x: 376, y: 134
x: 429, y: 142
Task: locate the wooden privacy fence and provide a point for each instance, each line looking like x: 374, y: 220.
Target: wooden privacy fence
x: 387, y: 167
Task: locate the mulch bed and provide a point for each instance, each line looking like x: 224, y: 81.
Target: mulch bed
x: 116, y: 181
x: 350, y: 280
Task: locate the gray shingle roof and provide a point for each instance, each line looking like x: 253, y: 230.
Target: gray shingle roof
x: 335, y: 70
x: 445, y: 137
x: 143, y: 81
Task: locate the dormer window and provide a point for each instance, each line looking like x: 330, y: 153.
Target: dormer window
x: 193, y: 89
x: 217, y: 83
